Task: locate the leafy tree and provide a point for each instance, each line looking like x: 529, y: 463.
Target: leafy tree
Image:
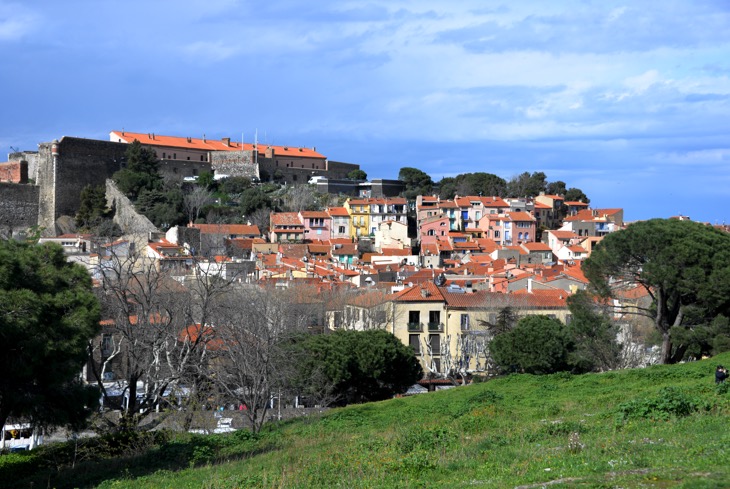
x: 593, y: 334
x: 92, y: 209
x: 163, y: 208
x: 527, y: 185
x: 555, y: 188
x: 363, y: 366
x: 141, y: 173
x: 537, y: 345
x: 478, y: 183
x: 234, y: 185
x: 357, y: 175
x: 684, y: 266
x: 48, y: 313
x: 252, y: 199
x: 207, y: 180
x: 576, y: 195
x: 417, y: 182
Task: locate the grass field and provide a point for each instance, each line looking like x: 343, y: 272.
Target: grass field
x: 659, y: 427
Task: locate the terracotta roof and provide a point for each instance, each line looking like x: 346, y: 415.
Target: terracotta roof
x: 209, y: 144
x: 520, y: 216
x: 544, y: 298
x: 470, y: 300
x: 338, y: 211
x: 315, y: 214
x: 575, y: 203
x: 563, y: 234
x: 423, y: 292
x: 285, y: 219
x: 346, y: 249
x: 251, y: 230
x: 485, y: 201
x: 536, y: 246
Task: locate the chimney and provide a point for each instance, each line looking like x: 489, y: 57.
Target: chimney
x: 424, y: 293
x: 226, y: 141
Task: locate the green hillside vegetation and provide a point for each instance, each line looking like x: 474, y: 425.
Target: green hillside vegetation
x: 660, y: 427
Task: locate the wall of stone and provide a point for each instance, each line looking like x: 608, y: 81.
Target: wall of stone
x: 125, y: 216
x: 18, y: 208
x: 14, y: 172
x: 31, y: 157
x: 177, y: 170
x: 338, y: 169
x: 234, y: 163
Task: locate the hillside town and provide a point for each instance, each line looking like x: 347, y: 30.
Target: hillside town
x: 442, y: 275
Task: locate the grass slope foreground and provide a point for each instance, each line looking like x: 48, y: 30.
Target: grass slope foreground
x: 661, y: 427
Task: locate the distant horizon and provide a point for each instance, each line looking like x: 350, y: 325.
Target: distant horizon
x: 629, y: 103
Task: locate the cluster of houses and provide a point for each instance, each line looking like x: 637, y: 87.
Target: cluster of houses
x: 435, y: 272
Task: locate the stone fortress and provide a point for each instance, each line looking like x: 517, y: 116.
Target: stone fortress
x: 38, y: 187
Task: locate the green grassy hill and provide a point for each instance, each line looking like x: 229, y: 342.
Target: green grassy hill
x: 660, y: 427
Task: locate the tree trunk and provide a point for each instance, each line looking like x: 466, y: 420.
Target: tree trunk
x: 666, y: 348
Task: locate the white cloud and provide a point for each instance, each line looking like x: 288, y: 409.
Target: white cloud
x: 16, y: 22
x: 210, y: 51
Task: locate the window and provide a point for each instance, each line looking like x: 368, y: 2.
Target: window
x: 188, y: 158
x: 414, y: 320
x: 342, y: 229
x: 435, y: 341
x: 436, y: 364
x: 163, y: 155
x: 174, y: 156
x: 202, y: 158
x: 496, y: 234
x: 464, y: 322
x: 414, y: 341
x: 434, y: 320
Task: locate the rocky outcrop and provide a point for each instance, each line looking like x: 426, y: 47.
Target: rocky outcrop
x: 125, y: 216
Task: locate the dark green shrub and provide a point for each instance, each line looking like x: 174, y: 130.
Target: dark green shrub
x: 669, y: 402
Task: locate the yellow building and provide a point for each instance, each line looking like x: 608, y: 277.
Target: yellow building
x: 450, y: 327
x: 359, y: 210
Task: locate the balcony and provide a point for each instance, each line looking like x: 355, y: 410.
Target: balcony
x: 435, y: 326
x: 415, y: 327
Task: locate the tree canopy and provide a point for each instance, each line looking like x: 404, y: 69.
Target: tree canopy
x: 417, y: 182
x: 357, y: 175
x: 48, y: 314
x: 683, y: 266
x: 141, y: 172
x: 537, y: 345
x: 363, y: 366
x: 478, y: 183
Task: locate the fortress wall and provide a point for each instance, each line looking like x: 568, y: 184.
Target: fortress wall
x: 18, y: 207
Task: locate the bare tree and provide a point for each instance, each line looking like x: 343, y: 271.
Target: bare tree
x: 156, y: 334
x: 300, y: 198
x: 194, y: 202
x: 253, y: 365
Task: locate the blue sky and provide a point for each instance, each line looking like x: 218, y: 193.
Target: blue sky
x: 629, y: 101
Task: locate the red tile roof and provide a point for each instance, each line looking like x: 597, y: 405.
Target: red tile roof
x: 230, y: 229
x: 285, y: 219
x: 209, y: 144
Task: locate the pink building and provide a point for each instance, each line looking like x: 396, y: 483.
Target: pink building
x: 317, y: 225
x: 512, y: 228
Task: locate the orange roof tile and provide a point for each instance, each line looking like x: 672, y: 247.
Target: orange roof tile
x: 238, y: 229
x: 210, y: 144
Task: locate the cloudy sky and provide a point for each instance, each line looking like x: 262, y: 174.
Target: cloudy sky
x: 629, y: 101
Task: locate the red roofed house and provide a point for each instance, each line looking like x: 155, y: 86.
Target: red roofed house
x: 510, y: 228
x: 317, y: 225
x: 594, y: 222
x: 340, y: 227
x: 286, y: 228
